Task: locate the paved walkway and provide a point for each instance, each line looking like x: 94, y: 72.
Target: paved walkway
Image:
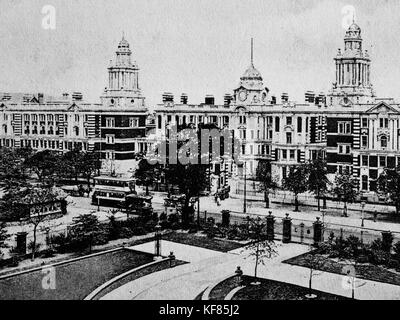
x: 185, y: 282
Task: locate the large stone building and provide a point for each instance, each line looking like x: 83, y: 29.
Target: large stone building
x: 116, y: 127
x: 355, y: 131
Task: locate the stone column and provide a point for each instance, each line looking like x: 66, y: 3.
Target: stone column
x: 317, y: 226
x: 270, y: 226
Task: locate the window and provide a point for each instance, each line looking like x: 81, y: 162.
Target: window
x: 242, y: 119
x: 77, y: 118
x: 288, y: 121
x: 364, y: 182
x: 383, y: 142
x: 42, y: 117
x: 110, y: 155
x: 288, y: 137
x: 364, y: 141
x: 292, y: 152
x: 344, y: 149
x: 344, y: 127
x: 51, y: 130
x: 383, y: 122
x: 134, y: 122
x: 110, y: 138
x: 110, y: 122
x: 277, y: 124
x: 251, y: 149
x: 364, y: 161
x: 382, y: 161
x: 26, y: 117
x: 299, y: 124
x: 364, y: 122
x: 42, y: 130
x: 50, y: 117
x: 76, y: 130
x: 284, y: 154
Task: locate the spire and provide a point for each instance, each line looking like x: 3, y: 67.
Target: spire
x: 123, y: 35
x: 251, y: 51
x: 354, y: 16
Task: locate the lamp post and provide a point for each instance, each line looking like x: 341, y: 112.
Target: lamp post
x: 323, y: 211
x: 362, y: 213
x: 244, y: 188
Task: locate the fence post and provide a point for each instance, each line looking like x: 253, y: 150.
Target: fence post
x: 270, y: 226
x: 317, y: 226
x: 287, y: 229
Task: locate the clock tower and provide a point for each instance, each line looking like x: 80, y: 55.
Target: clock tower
x: 251, y: 89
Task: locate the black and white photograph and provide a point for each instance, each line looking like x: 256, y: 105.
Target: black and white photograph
x: 201, y: 151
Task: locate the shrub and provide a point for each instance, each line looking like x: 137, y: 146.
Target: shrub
x: 48, y: 253
x: 379, y: 257
x: 396, y: 249
x: 139, y: 231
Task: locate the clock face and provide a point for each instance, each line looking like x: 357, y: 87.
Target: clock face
x: 264, y: 96
x: 242, y: 95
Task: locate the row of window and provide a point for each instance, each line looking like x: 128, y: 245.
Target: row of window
x: 54, y: 144
x: 133, y: 122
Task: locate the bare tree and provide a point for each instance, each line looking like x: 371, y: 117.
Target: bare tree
x: 260, y: 247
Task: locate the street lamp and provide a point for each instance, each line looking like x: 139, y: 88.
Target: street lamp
x: 323, y: 211
x: 362, y: 213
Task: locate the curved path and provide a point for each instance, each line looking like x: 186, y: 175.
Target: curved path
x: 185, y: 282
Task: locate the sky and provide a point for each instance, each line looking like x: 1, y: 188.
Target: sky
x: 194, y: 46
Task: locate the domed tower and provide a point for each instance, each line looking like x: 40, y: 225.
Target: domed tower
x: 251, y: 89
x: 123, y: 79
x: 352, y: 84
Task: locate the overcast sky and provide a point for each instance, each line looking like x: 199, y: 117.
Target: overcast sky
x: 194, y: 46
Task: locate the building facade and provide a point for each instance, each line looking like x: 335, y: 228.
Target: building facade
x: 116, y: 127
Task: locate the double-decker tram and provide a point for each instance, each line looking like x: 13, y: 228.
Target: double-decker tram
x: 112, y: 191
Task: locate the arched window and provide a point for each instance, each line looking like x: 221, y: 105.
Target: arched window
x: 4, y: 128
x: 76, y: 130
x: 383, y: 142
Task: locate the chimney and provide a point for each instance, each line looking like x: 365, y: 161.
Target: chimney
x: 273, y: 100
x: 184, y: 98
x: 227, y: 100
x: 41, y: 98
x: 309, y: 96
x: 26, y: 98
x: 284, y: 97
x: 167, y: 97
x: 77, y: 96
x: 209, y: 99
x: 6, y: 96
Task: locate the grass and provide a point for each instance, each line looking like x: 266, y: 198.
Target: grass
x: 202, y: 241
x: 73, y: 280
x: 275, y: 290
x: 365, y: 271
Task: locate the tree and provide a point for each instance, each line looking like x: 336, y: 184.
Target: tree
x: 345, y: 188
x: 317, y: 178
x: 25, y: 202
x: 389, y: 184
x: 3, y: 237
x: 146, y: 173
x: 260, y: 247
x: 191, y: 179
x: 264, y: 176
x: 314, y: 260
x: 89, y: 165
x: 296, y: 182
x: 43, y: 163
x: 86, y: 230
x: 12, y: 163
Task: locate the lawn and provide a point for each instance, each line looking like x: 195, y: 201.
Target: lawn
x: 365, y: 271
x: 202, y: 241
x: 73, y: 280
x: 267, y: 290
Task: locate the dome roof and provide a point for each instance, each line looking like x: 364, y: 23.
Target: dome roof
x: 123, y: 43
x: 354, y: 27
x: 251, y: 73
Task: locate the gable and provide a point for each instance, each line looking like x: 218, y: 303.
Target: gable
x: 383, y: 108
x: 73, y: 108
